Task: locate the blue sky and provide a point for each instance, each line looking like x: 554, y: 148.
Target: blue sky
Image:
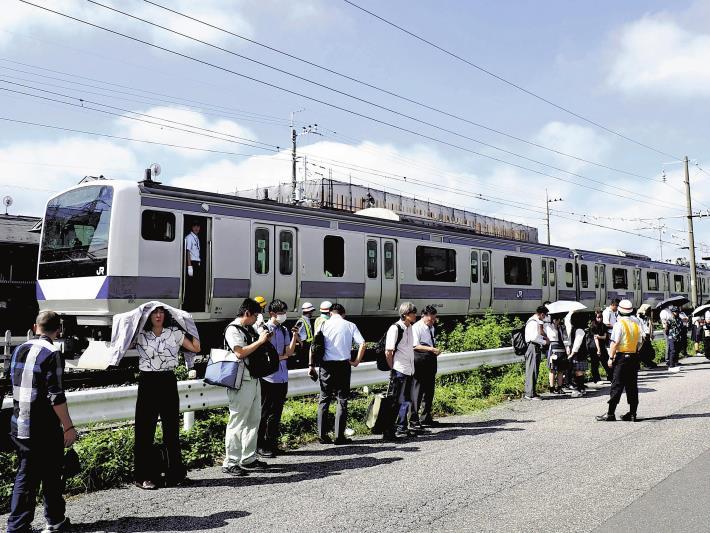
x: 642, y: 69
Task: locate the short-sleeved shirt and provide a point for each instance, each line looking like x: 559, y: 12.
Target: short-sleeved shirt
x: 532, y: 331
x: 404, y: 354
x: 339, y: 335
x: 665, y: 315
x: 36, y: 372
x: 423, y: 335
x: 192, y: 245
x: 235, y: 337
x: 159, y: 353
x: 610, y: 317
x: 280, y: 340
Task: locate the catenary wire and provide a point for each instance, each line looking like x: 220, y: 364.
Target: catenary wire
x: 508, y: 82
x: 335, y: 106
x: 395, y: 94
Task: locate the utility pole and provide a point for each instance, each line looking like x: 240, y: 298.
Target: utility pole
x: 310, y: 129
x: 691, y: 239
x: 548, y: 201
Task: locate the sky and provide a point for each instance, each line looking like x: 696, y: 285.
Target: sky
x: 639, y: 69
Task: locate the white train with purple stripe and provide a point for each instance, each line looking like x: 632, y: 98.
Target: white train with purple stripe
x: 110, y: 245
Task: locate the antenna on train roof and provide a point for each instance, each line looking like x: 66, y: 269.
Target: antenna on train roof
x: 153, y: 170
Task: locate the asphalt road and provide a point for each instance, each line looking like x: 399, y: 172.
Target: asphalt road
x: 522, y: 466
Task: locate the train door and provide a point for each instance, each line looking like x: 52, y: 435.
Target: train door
x: 274, y: 263
x: 380, y: 274
x: 548, y: 267
x: 599, y: 298
x: 637, y: 287
x: 481, y: 286
x: 196, y: 282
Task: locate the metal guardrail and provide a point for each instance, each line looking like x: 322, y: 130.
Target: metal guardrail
x: 119, y: 403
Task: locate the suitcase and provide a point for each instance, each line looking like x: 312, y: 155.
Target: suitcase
x: 379, y: 413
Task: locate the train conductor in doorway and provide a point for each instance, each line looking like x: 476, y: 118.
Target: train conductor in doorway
x: 194, y: 281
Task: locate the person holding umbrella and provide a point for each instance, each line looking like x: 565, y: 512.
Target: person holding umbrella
x: 626, y: 339
x: 674, y: 336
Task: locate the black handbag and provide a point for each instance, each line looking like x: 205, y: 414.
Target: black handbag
x: 318, y: 348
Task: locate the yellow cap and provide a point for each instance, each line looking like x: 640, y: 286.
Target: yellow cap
x: 261, y: 301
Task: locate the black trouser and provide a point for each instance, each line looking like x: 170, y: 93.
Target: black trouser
x: 40, y: 462
x: 425, y: 365
x: 682, y: 344
x: 273, y: 397
x: 194, y: 299
x: 157, y: 396
x: 603, y: 359
x: 334, y: 383
x: 400, y: 390
x: 625, y: 370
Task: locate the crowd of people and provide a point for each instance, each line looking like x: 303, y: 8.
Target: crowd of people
x: 618, y: 339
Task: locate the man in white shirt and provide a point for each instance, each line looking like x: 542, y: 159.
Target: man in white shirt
x: 610, y: 316
x: 194, y: 299
x: 399, y: 351
x: 338, y: 336
x: 537, y: 340
x: 425, y: 359
x: 665, y: 316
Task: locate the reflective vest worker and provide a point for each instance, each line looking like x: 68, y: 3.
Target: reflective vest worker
x: 305, y: 330
x: 626, y: 340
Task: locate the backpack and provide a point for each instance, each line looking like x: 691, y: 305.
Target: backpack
x: 264, y: 360
x: 318, y: 348
x: 520, y: 347
x: 380, y: 348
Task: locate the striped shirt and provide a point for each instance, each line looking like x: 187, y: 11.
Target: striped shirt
x: 36, y: 373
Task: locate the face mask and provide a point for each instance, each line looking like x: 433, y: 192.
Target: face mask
x: 281, y: 318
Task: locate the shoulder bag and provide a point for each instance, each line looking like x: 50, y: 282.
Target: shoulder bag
x: 224, y: 368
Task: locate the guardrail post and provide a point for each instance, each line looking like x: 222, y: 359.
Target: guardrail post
x: 6, y: 353
x: 188, y: 420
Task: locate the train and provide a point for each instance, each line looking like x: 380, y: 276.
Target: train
x: 108, y: 245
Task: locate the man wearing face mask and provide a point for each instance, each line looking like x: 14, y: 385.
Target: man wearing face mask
x: 275, y: 386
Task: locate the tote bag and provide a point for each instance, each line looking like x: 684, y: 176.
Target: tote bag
x: 224, y: 368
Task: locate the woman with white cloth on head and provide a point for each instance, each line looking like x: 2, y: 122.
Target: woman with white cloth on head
x: 158, y: 345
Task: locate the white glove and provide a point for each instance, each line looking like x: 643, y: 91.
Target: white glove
x: 189, y: 271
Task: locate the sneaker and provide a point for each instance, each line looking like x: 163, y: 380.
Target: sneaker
x: 629, y: 417
x: 146, y: 485
x: 389, y: 437
x: 342, y: 441
x: 234, y: 471
x: 606, y: 417
x: 674, y: 369
x: 577, y: 394
x: 531, y: 398
x: 264, y: 452
x: 325, y: 440
x: 254, y: 465
x: 430, y: 423
x: 64, y: 525
x: 401, y: 434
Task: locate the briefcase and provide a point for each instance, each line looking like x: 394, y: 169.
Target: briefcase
x: 379, y: 413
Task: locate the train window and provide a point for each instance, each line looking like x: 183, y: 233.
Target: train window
x: 158, y: 226
x: 486, y: 267
x: 584, y: 275
x: 474, y: 267
x: 666, y: 282
x: 544, y: 272
x: 569, y: 274
x: 652, y: 281
x: 553, y: 276
x: 678, y: 282
x: 333, y: 256
x: 596, y: 276
x: 371, y: 259
x: 620, y: 279
x: 436, y: 264
x: 261, y: 251
x: 602, y: 276
x: 389, y: 260
x: 518, y: 270
x: 286, y: 253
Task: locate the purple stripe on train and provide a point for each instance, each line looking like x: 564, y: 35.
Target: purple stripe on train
x: 138, y: 288
x: 231, y: 288
x: 564, y: 294
x: 504, y: 293
x: 435, y: 292
x: 38, y: 292
x: 332, y: 289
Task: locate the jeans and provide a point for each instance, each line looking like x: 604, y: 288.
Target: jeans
x: 40, y: 462
x: 672, y: 346
x: 400, y: 390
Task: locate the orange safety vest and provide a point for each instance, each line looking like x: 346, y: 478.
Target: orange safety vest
x: 630, y: 339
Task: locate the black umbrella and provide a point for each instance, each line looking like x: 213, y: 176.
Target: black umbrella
x: 674, y: 300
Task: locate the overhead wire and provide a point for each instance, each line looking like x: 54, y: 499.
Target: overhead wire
x: 508, y: 82
x: 392, y: 93
x: 346, y: 110
x: 369, y: 102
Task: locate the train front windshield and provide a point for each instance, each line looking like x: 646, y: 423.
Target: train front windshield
x: 75, y: 234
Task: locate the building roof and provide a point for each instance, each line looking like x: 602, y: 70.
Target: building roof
x: 15, y: 229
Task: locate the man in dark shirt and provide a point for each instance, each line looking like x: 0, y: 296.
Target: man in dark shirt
x: 40, y: 427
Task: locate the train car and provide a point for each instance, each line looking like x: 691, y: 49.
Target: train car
x: 108, y: 246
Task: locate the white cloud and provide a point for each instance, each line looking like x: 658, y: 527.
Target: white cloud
x: 659, y: 55
x: 585, y: 143
x: 211, y: 140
